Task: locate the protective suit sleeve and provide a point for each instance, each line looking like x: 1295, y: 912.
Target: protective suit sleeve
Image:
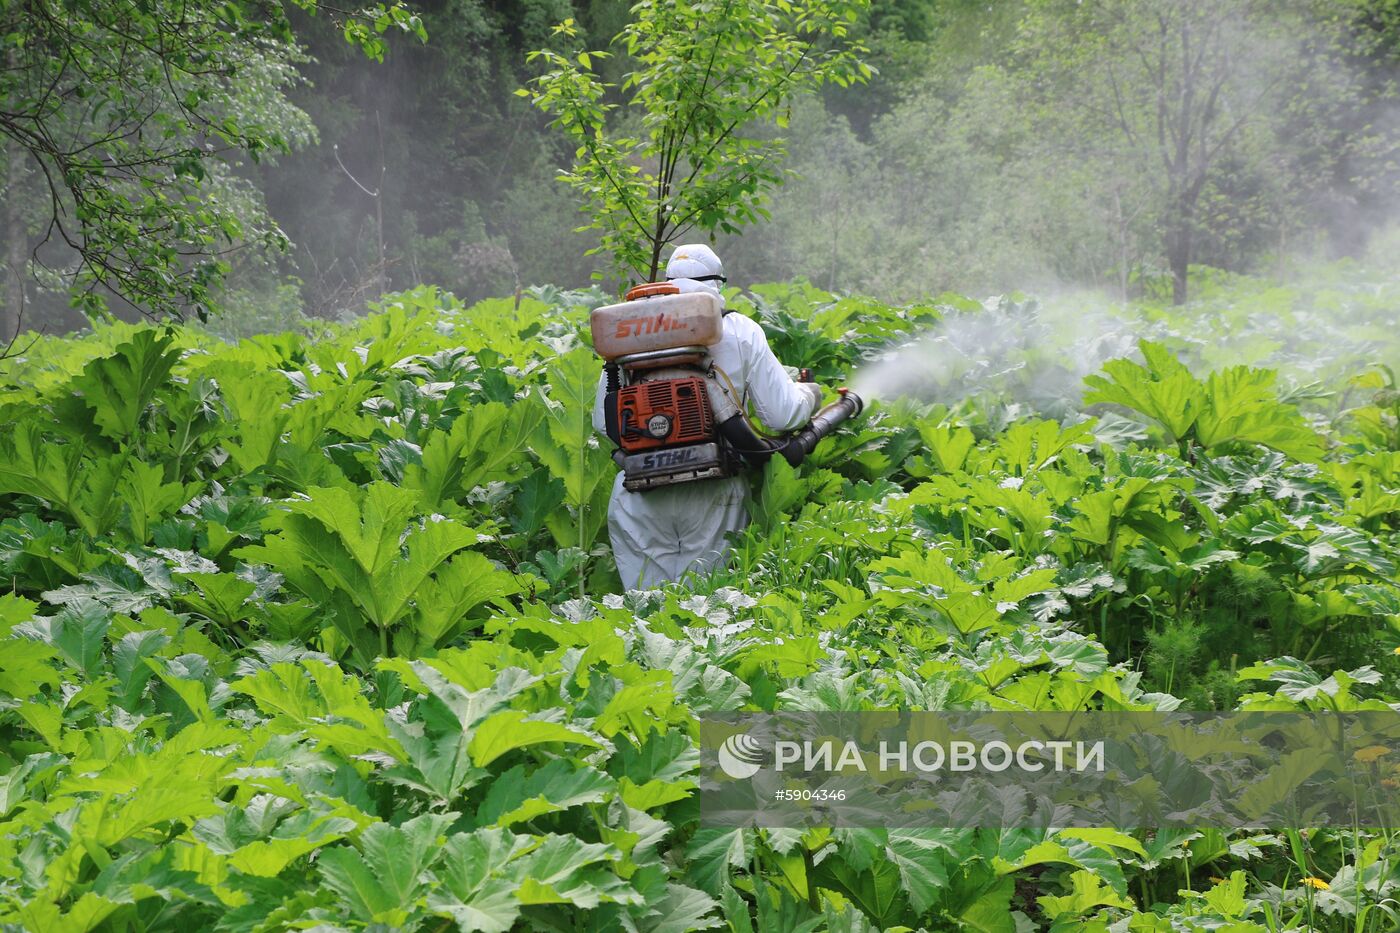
x: 781, y: 404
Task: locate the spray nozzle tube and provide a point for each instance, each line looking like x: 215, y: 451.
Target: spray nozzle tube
x: 823, y: 423
x: 796, y: 447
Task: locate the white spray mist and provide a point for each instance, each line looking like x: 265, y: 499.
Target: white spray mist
x: 1028, y: 354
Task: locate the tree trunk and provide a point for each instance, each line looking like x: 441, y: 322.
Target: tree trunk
x: 382, y: 277
x: 15, y: 243
x: 1179, y: 236
x: 1121, y: 223
x: 658, y: 243
x: 1179, y: 259
x: 656, y: 246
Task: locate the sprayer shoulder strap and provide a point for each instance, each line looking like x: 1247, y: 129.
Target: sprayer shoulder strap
x: 612, y: 385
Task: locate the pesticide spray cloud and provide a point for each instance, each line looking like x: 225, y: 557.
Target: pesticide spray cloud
x: 1031, y: 355
x: 1332, y: 323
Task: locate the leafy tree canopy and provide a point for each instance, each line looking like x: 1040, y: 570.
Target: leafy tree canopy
x: 665, y: 150
x: 129, y: 112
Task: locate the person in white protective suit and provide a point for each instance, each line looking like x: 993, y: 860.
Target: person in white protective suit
x: 659, y: 534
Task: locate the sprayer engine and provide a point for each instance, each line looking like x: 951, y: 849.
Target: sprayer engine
x: 664, y: 413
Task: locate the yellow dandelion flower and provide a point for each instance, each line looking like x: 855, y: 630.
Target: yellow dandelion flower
x: 1370, y: 753
x: 1390, y: 782
x: 1317, y: 883
x: 1397, y: 651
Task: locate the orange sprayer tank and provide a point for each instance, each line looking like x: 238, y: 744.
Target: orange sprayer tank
x: 657, y: 322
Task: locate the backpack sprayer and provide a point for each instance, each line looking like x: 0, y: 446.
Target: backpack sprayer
x: 671, y: 416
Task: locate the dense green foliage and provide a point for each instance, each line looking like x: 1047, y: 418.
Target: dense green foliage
x: 326, y: 633
x: 321, y: 629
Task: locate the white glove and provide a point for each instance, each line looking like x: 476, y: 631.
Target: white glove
x: 815, y: 391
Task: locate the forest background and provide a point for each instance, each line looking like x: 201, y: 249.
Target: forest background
x: 1029, y: 146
